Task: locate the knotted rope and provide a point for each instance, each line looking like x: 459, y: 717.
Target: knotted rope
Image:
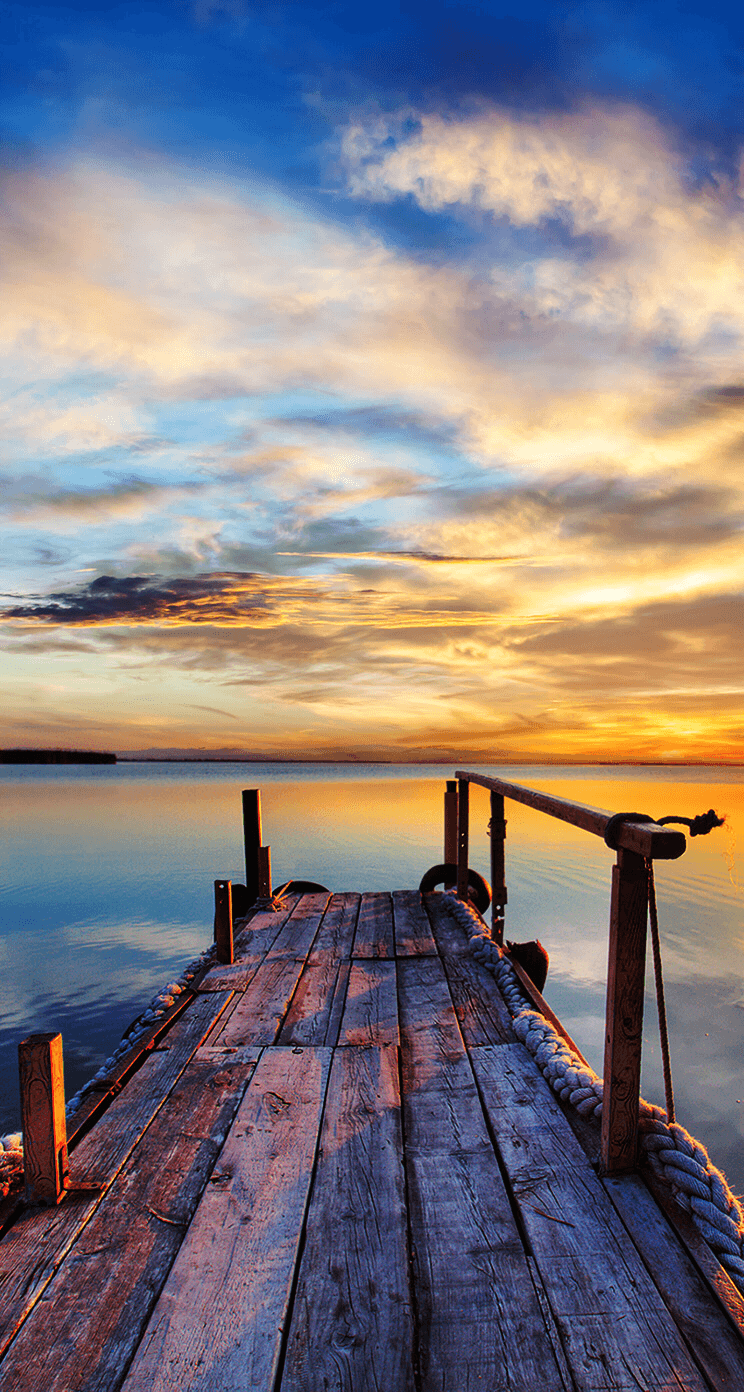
x: 673, y: 1154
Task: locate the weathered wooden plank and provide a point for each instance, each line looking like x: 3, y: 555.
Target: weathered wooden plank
x: 374, y: 934
x: 413, y: 937
x: 339, y: 1004
x: 32, y: 1250
x: 336, y: 933
x: 250, y: 949
x: 718, y: 1350
x: 371, y: 1008
x: 83, y: 1334
x: 352, y: 1324
x: 297, y: 934
x: 616, y: 1331
x: 308, y: 1019
x: 218, y: 1324
x: 97, y: 1100
x: 434, y: 1064
x: 480, y: 1322
x: 309, y: 1013
x: 257, y: 1014
x: 725, y: 1293
x: 481, y: 1009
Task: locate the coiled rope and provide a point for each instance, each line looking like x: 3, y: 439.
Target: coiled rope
x: 673, y: 1154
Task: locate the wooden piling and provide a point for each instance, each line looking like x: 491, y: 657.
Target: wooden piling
x: 463, y: 831
x: 498, y: 883
x: 450, y: 822
x: 626, y: 973
x: 264, y: 872
x: 252, y: 839
x: 45, y: 1165
x: 223, y: 920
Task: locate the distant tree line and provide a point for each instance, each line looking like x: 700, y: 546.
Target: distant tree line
x: 54, y: 756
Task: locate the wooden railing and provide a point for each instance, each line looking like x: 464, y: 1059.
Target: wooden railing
x: 636, y: 843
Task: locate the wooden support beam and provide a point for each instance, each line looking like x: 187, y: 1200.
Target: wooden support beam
x: 626, y: 973
x: 463, y: 809
x: 46, y: 1170
x: 498, y: 883
x: 264, y: 872
x: 450, y: 823
x: 252, y: 839
x: 223, y: 920
x: 645, y: 838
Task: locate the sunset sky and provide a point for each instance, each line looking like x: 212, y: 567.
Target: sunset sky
x: 374, y: 379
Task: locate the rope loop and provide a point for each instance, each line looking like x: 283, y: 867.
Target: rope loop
x: 615, y: 822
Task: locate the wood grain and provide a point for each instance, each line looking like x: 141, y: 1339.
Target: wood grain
x: 218, y: 1324
x: 335, y: 936
x: 308, y: 1017
x: 250, y: 948
x: 258, y: 1012
x: 481, y: 1009
x: 480, y: 1323
x: 374, y: 934
x: 45, y: 1166
x: 38, y: 1242
x: 85, y: 1331
x: 413, y: 936
x: 626, y: 976
x: 352, y: 1325
x: 371, y: 1007
x: 706, y: 1329
x: 297, y: 933
x: 616, y: 1331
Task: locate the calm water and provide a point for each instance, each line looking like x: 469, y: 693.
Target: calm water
x: 106, y: 892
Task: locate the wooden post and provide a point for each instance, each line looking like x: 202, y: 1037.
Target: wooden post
x: 450, y: 824
x: 626, y: 973
x: 252, y: 838
x: 498, y: 884
x: 264, y: 872
x: 45, y: 1164
x: 463, y: 808
x: 223, y: 920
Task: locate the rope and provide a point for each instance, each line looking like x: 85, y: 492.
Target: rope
x: 673, y: 1154
x: 699, y: 826
x: 660, y: 1001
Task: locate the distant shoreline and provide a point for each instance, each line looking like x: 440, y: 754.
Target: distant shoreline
x: 55, y: 756
x: 84, y: 756
x: 445, y: 763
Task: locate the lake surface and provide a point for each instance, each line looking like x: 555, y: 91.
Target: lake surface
x: 106, y: 892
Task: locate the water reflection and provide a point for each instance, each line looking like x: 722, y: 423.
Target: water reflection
x: 106, y: 892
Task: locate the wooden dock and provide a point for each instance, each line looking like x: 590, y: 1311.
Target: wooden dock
x: 338, y: 1169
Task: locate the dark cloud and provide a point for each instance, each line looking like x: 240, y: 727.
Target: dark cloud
x: 140, y: 599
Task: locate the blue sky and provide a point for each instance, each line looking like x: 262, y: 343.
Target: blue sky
x: 372, y: 379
